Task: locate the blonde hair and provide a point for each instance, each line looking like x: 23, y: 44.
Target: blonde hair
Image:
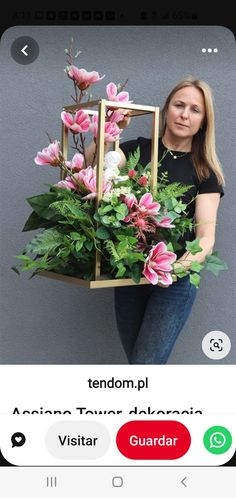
x: 203, y: 144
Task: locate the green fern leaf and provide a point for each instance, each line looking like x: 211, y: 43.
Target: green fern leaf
x: 45, y: 242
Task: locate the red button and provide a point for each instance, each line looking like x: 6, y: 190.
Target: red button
x: 153, y: 440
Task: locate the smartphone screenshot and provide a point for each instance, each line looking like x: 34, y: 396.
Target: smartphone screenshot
x: 117, y: 343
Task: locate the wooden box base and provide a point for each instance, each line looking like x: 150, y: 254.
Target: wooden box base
x: 103, y: 282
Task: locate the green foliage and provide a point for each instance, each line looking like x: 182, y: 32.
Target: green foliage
x: 71, y: 210
x: 125, y: 258
x: 102, y: 233
x: 215, y: 264
x: 196, y: 267
x: 72, y: 230
x: 41, y: 205
x: 166, y: 193
x: 35, y: 221
x: 195, y: 279
x: 193, y: 246
x: 134, y: 159
x: 45, y: 242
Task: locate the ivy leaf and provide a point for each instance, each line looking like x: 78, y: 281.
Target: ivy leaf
x: 121, y: 211
x: 79, y: 245
x: 89, y: 245
x: 195, y: 266
x: 102, y: 233
x: 170, y: 247
x: 171, y: 203
x: 180, y: 272
x: 195, y: 279
x: 171, y: 214
x: 105, y: 209
x: 97, y: 217
x: 110, y: 220
x: 215, y: 264
x: 75, y: 236
x: 129, y: 239
x: 180, y: 207
x: 193, y: 247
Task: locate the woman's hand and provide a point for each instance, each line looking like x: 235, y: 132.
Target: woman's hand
x: 126, y: 119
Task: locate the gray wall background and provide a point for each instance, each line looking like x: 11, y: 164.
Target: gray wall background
x: 44, y: 321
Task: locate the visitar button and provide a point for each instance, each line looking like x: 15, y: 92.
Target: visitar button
x: 78, y: 440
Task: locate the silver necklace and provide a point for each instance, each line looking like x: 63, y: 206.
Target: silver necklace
x: 176, y: 157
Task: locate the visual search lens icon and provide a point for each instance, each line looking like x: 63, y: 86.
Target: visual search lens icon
x: 216, y: 345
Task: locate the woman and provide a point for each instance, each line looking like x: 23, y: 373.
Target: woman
x: 149, y: 317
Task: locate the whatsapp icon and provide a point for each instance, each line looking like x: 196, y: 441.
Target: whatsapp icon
x: 217, y: 439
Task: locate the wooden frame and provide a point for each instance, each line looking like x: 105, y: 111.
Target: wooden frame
x: 101, y: 105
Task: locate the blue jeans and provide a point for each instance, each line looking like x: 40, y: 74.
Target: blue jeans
x: 150, y: 318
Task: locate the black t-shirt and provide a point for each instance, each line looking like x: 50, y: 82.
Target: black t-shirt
x: 179, y: 170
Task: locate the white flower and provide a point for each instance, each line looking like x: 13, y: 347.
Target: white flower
x: 111, y: 159
x: 111, y: 173
x: 107, y: 197
x: 116, y: 191
x: 125, y: 190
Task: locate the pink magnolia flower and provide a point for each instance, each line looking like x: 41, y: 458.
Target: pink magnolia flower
x: 76, y: 163
x: 49, y: 155
x: 130, y: 200
x: 78, y: 122
x: 141, y: 214
x: 111, y: 133
x: 157, y: 267
x: 111, y: 90
x: 165, y: 223
x: 67, y: 183
x: 85, y: 182
x: 82, y: 78
x: 147, y: 206
x: 115, y: 116
x: 87, y: 177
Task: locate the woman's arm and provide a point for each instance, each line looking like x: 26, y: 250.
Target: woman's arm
x: 123, y: 124
x: 91, y: 151
x: 205, y: 219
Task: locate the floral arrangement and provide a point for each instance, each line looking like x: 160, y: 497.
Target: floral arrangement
x: 135, y: 230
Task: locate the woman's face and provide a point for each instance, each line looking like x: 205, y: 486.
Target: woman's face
x: 186, y: 112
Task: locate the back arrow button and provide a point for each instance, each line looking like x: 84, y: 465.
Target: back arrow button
x: 183, y: 482
x: 23, y: 50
